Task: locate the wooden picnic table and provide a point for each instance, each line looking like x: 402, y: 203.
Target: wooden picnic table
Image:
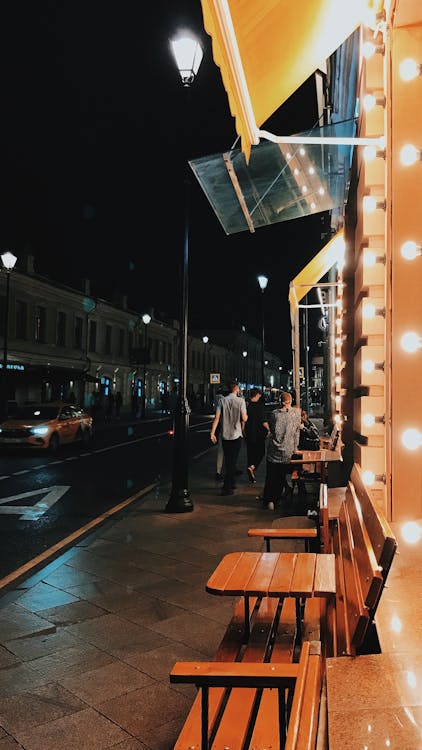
x: 274, y: 574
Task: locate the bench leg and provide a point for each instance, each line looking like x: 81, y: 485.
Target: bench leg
x: 247, y: 621
x: 298, y: 620
x: 282, y: 724
x: 204, y: 718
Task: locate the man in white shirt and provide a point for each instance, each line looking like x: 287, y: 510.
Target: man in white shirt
x: 231, y: 410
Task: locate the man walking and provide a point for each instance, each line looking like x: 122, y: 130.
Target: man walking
x: 231, y: 410
x: 283, y: 441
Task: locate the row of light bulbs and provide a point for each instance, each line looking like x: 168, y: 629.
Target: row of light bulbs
x: 409, y: 70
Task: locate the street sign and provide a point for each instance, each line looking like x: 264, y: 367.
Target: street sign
x: 301, y: 372
x: 214, y: 378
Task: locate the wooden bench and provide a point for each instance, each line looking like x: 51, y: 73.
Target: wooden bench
x: 237, y: 706
x: 364, y: 546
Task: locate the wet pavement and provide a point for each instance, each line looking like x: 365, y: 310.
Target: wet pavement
x: 88, y: 641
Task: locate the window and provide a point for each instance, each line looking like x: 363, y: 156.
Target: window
x: 61, y: 329
x: 40, y: 323
x: 92, y: 336
x: 21, y: 319
x: 78, y: 333
x: 107, y: 340
x: 121, y: 342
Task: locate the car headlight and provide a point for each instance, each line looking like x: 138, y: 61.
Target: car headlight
x: 39, y: 430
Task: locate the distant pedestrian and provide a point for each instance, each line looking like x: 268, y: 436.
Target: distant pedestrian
x: 118, y: 404
x: 283, y: 441
x: 110, y: 407
x: 231, y: 410
x: 255, y: 432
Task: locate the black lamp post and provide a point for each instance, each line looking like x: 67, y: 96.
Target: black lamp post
x: 205, y: 340
x: 262, y: 281
x: 9, y: 261
x: 146, y: 319
x: 188, y: 55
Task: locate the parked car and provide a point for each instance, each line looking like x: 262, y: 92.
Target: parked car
x: 46, y: 426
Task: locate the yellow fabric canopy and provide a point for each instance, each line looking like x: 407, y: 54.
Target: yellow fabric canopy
x: 320, y: 264
x: 267, y: 48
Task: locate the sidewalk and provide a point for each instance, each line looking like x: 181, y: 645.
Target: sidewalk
x: 87, y: 643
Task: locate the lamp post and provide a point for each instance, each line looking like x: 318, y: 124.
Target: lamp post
x: 9, y: 261
x: 262, y: 281
x: 244, y: 355
x: 146, y: 319
x: 188, y: 55
x: 205, y: 340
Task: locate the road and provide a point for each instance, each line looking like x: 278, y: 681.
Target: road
x: 45, y: 498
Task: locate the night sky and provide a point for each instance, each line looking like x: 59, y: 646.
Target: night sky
x: 93, y: 122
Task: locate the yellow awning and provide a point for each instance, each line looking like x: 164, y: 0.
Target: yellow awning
x: 320, y: 264
x: 266, y: 49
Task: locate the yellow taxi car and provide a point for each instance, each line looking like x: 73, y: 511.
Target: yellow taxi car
x: 46, y: 426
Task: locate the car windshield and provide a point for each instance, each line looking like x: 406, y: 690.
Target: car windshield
x: 41, y: 413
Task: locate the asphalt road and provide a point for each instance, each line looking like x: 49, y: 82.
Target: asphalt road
x: 45, y: 498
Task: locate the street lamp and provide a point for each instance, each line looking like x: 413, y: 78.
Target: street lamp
x: 9, y: 261
x: 188, y: 55
x: 244, y: 355
x: 146, y: 319
x: 262, y: 281
x: 205, y: 340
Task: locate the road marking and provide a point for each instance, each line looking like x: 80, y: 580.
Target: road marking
x: 32, y: 512
x: 35, y: 511
x: 67, y: 541
x: 18, y: 473
x: 198, y: 455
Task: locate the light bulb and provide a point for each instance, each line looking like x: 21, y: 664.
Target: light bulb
x: 369, y: 204
x: 368, y: 366
x: 368, y: 311
x: 368, y: 477
x: 411, y: 342
x: 409, y: 69
x: 410, y: 250
x: 369, y: 258
x: 369, y: 102
x: 411, y: 532
x: 368, y: 49
x: 409, y: 155
x: 411, y: 439
x: 337, y: 419
x: 321, y: 191
x: 304, y: 189
x: 369, y: 153
x: 313, y: 206
x: 311, y: 170
x: 368, y: 420
x: 302, y: 151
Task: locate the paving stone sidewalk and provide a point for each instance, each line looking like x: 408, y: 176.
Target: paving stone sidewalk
x: 87, y: 643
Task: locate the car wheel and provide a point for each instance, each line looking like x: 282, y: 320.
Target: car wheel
x: 54, y: 443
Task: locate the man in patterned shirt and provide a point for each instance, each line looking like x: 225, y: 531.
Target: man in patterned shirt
x: 283, y: 440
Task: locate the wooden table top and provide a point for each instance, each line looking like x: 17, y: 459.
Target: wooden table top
x: 274, y: 574
x: 310, y: 457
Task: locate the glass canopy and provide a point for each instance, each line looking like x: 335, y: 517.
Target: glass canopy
x: 282, y: 180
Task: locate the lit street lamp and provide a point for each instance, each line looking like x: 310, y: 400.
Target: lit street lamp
x: 9, y: 261
x: 188, y: 55
x: 244, y: 355
x: 205, y: 340
x: 146, y: 319
x: 262, y: 281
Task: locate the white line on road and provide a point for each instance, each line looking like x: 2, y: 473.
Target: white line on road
x: 17, y: 473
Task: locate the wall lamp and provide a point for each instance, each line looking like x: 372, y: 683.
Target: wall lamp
x: 370, y: 204
x: 369, y: 366
x: 410, y: 250
x: 371, y: 152
x: 369, y: 420
x: 411, y: 439
x: 370, y: 311
x: 409, y: 69
x: 409, y: 155
x: 369, y: 477
x: 370, y: 101
x: 370, y: 258
x: 410, y: 342
x: 370, y: 48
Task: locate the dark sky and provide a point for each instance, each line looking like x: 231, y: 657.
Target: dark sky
x: 93, y: 122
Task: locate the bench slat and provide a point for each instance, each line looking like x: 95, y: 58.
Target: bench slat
x: 324, y: 581
x: 366, y: 565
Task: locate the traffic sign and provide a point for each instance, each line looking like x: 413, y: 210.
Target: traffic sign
x: 214, y: 378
